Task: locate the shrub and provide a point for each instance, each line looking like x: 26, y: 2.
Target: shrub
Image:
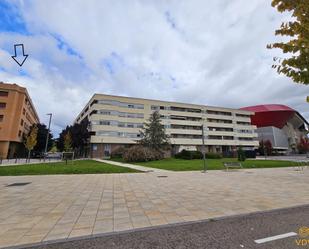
x: 188, y: 155
x: 141, y: 154
x: 118, y: 153
x: 303, y: 145
x: 211, y: 155
x: 184, y: 154
x: 196, y: 154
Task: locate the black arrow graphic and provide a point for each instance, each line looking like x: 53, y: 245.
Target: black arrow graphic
x: 20, y: 58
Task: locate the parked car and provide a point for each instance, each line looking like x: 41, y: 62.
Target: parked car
x: 54, y: 155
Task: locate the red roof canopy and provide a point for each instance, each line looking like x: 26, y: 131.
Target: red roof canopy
x: 270, y: 115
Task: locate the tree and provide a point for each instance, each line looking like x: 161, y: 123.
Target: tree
x: 79, y: 137
x: 31, y: 140
x: 68, y: 142
x: 265, y: 147
x: 53, y: 149
x: 241, y: 154
x: 297, y: 65
x: 268, y: 147
x: 303, y: 145
x: 261, y: 148
x: 60, y: 140
x: 41, y: 139
x: 153, y: 133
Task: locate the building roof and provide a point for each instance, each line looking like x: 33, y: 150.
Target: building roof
x: 272, y: 115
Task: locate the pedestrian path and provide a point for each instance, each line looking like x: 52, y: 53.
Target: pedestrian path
x: 132, y: 166
x: 52, y: 207
x: 22, y: 161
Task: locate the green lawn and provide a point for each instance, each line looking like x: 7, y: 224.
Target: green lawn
x: 212, y: 164
x: 77, y: 167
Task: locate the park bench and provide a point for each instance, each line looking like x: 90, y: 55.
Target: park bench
x: 234, y: 165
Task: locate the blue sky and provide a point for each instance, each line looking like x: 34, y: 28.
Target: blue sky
x: 187, y: 51
x: 10, y: 20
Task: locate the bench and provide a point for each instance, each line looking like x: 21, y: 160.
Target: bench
x: 228, y: 165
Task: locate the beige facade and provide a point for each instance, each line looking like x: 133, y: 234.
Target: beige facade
x: 17, y: 115
x: 117, y: 120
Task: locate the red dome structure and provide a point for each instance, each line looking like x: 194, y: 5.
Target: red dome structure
x: 271, y: 115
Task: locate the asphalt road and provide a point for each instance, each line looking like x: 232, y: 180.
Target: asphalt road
x: 230, y: 232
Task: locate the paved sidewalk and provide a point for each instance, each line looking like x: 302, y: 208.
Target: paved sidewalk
x: 64, y: 206
x: 14, y: 162
x: 234, y: 232
x: 132, y: 166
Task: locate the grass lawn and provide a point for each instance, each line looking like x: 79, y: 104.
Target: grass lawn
x: 212, y: 164
x: 78, y: 167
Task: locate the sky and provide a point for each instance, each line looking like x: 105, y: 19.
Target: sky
x: 203, y: 52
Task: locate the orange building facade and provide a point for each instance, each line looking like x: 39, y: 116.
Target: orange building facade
x: 17, y: 115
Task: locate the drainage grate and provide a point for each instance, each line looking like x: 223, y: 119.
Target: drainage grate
x: 16, y: 184
x: 161, y: 176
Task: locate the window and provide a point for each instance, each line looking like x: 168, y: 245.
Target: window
x: 105, y: 122
x: 220, y: 129
x: 4, y: 93
x: 243, y: 123
x: 219, y: 113
x: 21, y: 122
x: 121, y: 104
x: 215, y: 137
x: 19, y: 133
x: 94, y: 102
x: 117, y: 134
x: 154, y: 107
x: 245, y: 139
x: 121, y: 114
x: 24, y: 111
x: 242, y: 115
x: 245, y: 131
x: 2, y: 105
x: 221, y: 121
x: 1, y: 118
x: 183, y: 109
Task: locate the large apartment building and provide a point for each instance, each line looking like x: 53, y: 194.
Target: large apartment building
x: 116, y: 121
x: 17, y: 114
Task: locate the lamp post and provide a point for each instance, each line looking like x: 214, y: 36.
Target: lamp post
x: 47, y: 136
x: 203, y: 149
x: 264, y: 148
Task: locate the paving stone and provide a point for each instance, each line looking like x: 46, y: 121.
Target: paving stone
x: 62, y: 206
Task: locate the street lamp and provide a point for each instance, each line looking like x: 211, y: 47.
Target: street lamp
x: 204, y: 149
x: 47, y: 136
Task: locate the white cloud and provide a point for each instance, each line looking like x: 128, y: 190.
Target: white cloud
x: 210, y: 52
